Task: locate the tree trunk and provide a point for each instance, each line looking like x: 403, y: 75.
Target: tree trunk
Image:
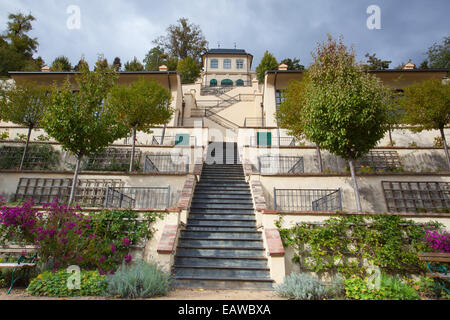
x: 26, y: 148
x: 132, y: 152
x: 390, y: 136
x: 75, y: 178
x: 319, y: 158
x: 355, y: 185
x: 445, y: 146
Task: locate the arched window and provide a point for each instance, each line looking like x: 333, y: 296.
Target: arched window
x: 226, y: 82
x: 213, y: 83
x: 239, y: 82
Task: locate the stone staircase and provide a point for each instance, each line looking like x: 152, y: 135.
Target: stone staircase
x: 221, y: 247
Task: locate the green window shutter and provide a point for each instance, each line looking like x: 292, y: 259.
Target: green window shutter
x: 264, y: 138
x: 213, y: 83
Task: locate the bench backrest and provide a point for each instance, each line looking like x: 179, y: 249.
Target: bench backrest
x: 434, y: 256
x: 16, y: 249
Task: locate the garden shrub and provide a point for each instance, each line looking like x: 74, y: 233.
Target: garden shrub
x: 438, y: 242
x: 302, y: 286
x: 55, y: 284
x: 390, y: 288
x: 139, y: 280
x: 386, y: 241
x: 64, y: 237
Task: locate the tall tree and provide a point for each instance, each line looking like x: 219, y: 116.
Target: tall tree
x: 374, y: 63
x: 102, y: 63
x: 189, y: 70
x: 439, y: 55
x: 183, y: 40
x: 17, y: 47
x: 117, y: 64
x: 427, y: 106
x: 140, y: 106
x: 134, y: 65
x: 154, y: 58
x: 60, y: 64
x: 268, y: 62
x: 24, y: 104
x: 345, y: 109
x: 293, y: 64
x: 81, y: 122
x: 82, y: 64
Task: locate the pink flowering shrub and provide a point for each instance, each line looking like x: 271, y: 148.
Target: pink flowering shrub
x: 65, y: 237
x: 438, y: 242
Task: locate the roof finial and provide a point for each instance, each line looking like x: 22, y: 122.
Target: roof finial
x: 235, y: 45
x: 218, y: 44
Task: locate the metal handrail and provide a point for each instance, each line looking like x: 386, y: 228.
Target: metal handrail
x: 307, y: 199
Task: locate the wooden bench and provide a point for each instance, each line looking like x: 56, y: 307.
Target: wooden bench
x: 22, y: 263
x: 439, y: 273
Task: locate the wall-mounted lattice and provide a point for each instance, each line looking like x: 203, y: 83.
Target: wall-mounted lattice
x: 38, y: 157
x: 414, y: 196
x: 112, y: 159
x: 380, y: 160
x: 89, y: 192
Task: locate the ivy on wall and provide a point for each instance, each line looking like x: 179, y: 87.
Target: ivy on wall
x: 348, y: 244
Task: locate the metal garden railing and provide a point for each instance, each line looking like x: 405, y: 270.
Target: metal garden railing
x: 171, y: 141
x: 307, y: 199
x: 166, y: 163
x: 277, y: 141
x: 254, y: 122
x: 280, y: 165
x: 138, y: 197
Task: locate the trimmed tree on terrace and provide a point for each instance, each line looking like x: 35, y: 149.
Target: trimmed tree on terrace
x: 189, y: 70
x: 140, y: 106
x: 290, y: 113
x: 427, y: 107
x: 345, y: 109
x: 24, y: 104
x: 81, y: 122
x: 268, y: 62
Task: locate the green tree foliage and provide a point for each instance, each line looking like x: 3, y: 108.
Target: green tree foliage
x: 24, y: 104
x: 81, y: 122
x: 134, y: 65
x: 268, y: 62
x: 183, y: 40
x: 293, y: 64
x: 17, y: 47
x: 427, y: 107
x: 102, y: 63
x: 439, y: 55
x: 140, y: 106
x: 189, y: 70
x: 82, y: 64
x: 154, y: 58
x: 117, y: 64
x: 60, y: 64
x: 344, y: 109
x: 374, y: 63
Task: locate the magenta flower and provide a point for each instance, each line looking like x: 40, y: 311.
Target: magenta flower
x: 126, y: 242
x: 127, y: 258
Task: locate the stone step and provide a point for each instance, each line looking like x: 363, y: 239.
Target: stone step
x: 221, y: 272
x: 222, y: 211
x: 223, y: 262
x: 226, y: 228
x: 222, y: 197
x: 222, y: 193
x: 228, y: 206
x: 224, y: 283
x: 221, y: 244
x: 227, y: 217
x: 227, y: 253
x: 244, y: 189
x: 257, y: 235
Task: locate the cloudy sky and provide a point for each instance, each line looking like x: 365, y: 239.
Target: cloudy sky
x: 287, y: 28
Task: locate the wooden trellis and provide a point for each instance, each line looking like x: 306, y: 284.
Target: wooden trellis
x: 415, y: 196
x: 89, y: 192
x: 37, y: 157
x: 380, y: 160
x: 118, y: 158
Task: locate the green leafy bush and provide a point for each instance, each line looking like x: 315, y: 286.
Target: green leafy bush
x: 55, y: 284
x: 302, y: 286
x: 139, y: 280
x: 391, y: 288
x: 342, y: 244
